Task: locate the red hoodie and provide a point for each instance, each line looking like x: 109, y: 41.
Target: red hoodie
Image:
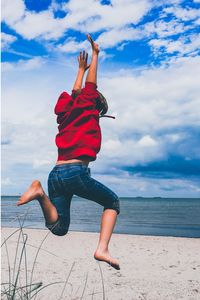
x: 79, y: 131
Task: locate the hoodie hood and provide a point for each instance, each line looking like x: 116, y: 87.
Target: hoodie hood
x: 63, y: 106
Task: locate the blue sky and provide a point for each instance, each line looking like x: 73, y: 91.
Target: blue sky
x: 148, y: 70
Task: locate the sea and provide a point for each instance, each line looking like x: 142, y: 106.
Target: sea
x: 178, y: 217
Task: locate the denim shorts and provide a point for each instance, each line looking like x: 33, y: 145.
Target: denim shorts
x: 70, y: 179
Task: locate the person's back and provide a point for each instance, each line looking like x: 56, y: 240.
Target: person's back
x: 78, y: 141
x: 78, y: 119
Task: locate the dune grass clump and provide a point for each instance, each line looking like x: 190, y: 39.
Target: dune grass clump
x: 15, y: 288
x: 20, y: 284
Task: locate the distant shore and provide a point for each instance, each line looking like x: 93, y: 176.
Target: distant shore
x: 126, y: 197
x: 152, y: 268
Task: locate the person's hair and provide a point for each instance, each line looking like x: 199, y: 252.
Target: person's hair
x: 101, y: 104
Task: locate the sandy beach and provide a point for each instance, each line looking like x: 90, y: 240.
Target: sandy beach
x: 152, y: 268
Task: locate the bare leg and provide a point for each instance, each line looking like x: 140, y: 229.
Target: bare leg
x: 36, y: 192
x: 108, y: 221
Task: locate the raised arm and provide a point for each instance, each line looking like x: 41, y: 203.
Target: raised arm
x: 92, y: 72
x: 83, y: 66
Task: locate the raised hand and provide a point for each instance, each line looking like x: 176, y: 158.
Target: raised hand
x: 82, y: 61
x: 83, y: 66
x: 95, y: 47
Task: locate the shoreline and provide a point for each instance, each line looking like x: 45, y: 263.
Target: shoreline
x: 152, y: 267
x: 97, y: 232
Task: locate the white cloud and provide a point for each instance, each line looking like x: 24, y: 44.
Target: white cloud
x: 12, y: 11
x: 175, y: 137
x: 38, y: 163
x: 35, y: 25
x: 95, y: 18
x: 169, y: 2
x: 114, y: 21
x: 185, y: 14
x: 98, y: 17
x: 72, y: 46
x: 23, y: 65
x: 30, y: 24
x: 42, y: 24
x: 133, y: 185
x: 174, y: 36
x: 114, y: 36
x: 164, y: 29
x: 134, y: 152
x: 7, y: 40
x: 184, y: 46
x: 119, y: 15
x: 106, y: 40
x: 147, y: 141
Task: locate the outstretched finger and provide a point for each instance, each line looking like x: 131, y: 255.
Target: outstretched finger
x: 86, y: 57
x: 83, y: 54
x: 90, y: 39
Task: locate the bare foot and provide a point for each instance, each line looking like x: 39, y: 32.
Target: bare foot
x: 35, y: 191
x: 105, y: 256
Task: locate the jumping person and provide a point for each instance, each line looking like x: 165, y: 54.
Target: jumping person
x: 78, y: 141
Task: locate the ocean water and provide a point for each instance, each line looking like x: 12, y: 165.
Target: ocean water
x: 178, y: 217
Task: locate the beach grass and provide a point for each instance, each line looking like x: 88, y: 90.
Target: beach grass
x: 20, y: 283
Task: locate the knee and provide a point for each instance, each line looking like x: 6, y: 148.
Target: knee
x: 59, y: 231
x: 59, y: 228
x: 114, y: 205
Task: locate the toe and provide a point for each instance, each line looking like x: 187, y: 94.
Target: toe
x: 114, y: 265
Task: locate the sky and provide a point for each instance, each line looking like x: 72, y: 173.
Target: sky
x: 149, y: 67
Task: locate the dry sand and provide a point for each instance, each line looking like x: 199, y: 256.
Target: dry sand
x: 152, y: 268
